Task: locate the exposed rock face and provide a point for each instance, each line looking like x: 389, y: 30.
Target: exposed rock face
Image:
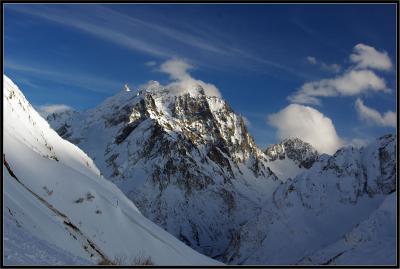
x: 186, y: 160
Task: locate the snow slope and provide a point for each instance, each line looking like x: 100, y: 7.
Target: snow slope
x: 24, y: 248
x: 372, y: 242
x: 55, y: 193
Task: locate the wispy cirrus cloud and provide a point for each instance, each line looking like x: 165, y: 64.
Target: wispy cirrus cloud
x: 249, y: 56
x: 85, y: 81
x: 116, y: 27
x: 324, y: 66
x: 99, y: 23
x: 150, y: 63
x: 145, y: 36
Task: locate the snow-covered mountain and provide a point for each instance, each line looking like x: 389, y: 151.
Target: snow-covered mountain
x: 189, y: 164
x: 291, y: 157
x: 185, y: 159
x: 56, y: 201
x: 340, y: 210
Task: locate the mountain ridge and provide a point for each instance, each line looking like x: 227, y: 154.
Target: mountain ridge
x: 189, y: 163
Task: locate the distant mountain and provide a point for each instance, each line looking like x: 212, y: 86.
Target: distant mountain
x: 291, y: 157
x: 54, y: 195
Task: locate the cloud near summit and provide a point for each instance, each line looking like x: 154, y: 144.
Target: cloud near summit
x: 45, y: 110
x: 309, y: 125
x: 182, y: 81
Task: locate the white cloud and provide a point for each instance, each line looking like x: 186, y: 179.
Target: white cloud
x: 335, y: 68
x: 357, y: 142
x: 246, y: 121
x: 308, y: 124
x: 365, y: 56
x: 150, y: 63
x: 372, y: 116
x: 45, y: 110
x: 176, y: 68
x: 353, y: 82
x: 183, y: 81
x: 311, y: 60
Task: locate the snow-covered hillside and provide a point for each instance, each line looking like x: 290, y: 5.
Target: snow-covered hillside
x: 54, y: 195
x: 185, y: 159
x: 23, y: 248
x: 373, y: 241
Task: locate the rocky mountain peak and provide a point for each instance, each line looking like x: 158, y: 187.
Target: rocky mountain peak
x: 197, y: 120
x: 175, y: 153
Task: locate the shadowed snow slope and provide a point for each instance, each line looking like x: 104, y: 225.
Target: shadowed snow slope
x: 54, y: 192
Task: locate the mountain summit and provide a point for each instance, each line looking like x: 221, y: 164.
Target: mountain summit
x: 291, y: 157
x: 185, y: 158
x: 295, y: 149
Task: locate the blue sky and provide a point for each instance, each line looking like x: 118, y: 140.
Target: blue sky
x: 259, y: 56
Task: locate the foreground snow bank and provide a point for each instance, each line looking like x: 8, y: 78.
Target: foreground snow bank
x: 24, y: 248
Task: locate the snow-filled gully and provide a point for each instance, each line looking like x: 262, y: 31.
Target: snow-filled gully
x: 88, y: 245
